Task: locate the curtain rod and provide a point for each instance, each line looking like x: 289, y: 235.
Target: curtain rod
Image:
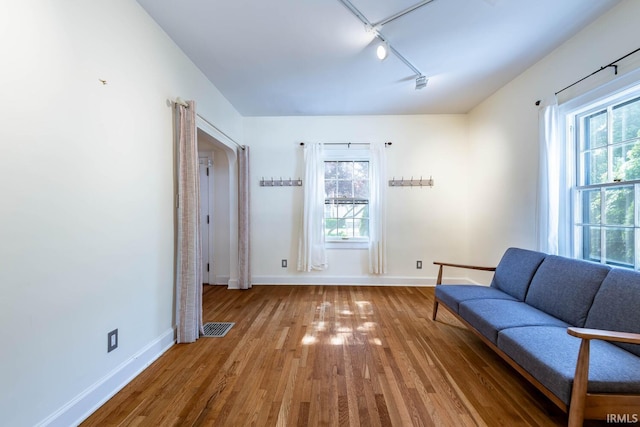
x: 612, y: 64
x: 180, y: 101
x: 349, y: 144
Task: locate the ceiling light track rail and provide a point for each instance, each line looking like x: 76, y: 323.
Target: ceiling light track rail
x: 406, y: 62
x: 402, y: 13
x: 375, y: 28
x: 354, y: 10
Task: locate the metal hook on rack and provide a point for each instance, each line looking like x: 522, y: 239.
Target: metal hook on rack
x: 281, y: 182
x: 411, y: 182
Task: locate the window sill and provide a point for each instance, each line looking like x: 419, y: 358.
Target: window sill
x: 346, y: 244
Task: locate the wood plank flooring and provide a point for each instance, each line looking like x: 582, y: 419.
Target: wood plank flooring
x: 329, y: 356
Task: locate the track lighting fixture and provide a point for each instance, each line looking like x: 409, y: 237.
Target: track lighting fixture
x: 421, y: 82
x: 382, y: 51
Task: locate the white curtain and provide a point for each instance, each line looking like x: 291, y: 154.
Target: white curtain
x: 378, y: 209
x: 244, y: 266
x: 312, y: 254
x: 189, y: 249
x: 548, y: 212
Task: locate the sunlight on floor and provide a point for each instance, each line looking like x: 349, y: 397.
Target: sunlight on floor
x: 340, y: 334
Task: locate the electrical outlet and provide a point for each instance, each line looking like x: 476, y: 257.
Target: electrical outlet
x: 284, y: 263
x: 419, y: 265
x: 112, y: 340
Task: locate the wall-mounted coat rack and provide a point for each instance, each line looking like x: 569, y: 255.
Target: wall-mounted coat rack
x: 280, y: 182
x: 411, y: 182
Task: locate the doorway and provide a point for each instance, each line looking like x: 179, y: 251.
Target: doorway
x: 206, y: 218
x: 218, y: 201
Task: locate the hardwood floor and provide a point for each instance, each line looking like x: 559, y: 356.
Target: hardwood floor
x: 329, y: 356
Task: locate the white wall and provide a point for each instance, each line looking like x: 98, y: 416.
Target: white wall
x: 503, y: 131
x: 86, y: 178
x: 424, y: 224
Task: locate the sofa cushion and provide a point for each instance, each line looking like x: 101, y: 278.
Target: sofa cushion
x: 515, y: 270
x: 616, y: 306
x: 549, y: 354
x: 491, y: 316
x: 565, y: 287
x: 453, y: 295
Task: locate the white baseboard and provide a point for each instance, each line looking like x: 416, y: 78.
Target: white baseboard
x: 314, y: 279
x: 311, y: 279
x: 233, y: 284
x: 87, y: 402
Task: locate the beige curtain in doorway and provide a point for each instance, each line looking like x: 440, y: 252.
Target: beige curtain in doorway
x: 244, y: 265
x: 189, y: 249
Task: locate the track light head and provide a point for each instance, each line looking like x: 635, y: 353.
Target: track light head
x: 382, y: 51
x: 421, y: 82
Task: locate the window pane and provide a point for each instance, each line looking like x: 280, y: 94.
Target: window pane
x: 620, y: 250
x: 330, y: 170
x: 361, y: 228
x: 360, y: 170
x: 345, y: 189
x: 619, y: 161
x: 595, y: 166
x: 632, y: 164
x: 344, y: 210
x: 595, y: 130
x: 331, y: 227
x: 361, y: 189
x: 330, y: 188
x: 619, y: 206
x: 330, y: 210
x: 591, y: 206
x: 341, y: 228
x: 591, y: 248
x: 345, y: 170
x: 361, y: 211
x: 626, y: 121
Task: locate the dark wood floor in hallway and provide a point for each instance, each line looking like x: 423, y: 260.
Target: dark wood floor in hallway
x: 329, y: 356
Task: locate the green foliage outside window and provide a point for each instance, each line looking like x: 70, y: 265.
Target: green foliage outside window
x: 611, y: 154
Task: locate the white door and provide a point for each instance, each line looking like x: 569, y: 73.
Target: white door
x: 205, y: 216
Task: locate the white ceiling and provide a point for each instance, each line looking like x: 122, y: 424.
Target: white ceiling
x: 314, y: 57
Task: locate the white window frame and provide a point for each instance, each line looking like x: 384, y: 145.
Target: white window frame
x: 346, y: 154
x: 615, y: 92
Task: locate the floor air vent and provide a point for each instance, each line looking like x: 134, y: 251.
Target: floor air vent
x: 216, y: 329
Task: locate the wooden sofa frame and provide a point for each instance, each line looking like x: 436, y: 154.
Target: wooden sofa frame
x: 583, y: 405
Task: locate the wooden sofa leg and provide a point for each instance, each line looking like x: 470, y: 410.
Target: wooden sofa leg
x: 579, y: 390
x: 435, y: 301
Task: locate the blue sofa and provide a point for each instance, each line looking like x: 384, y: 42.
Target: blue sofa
x: 570, y: 327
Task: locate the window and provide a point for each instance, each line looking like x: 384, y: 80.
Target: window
x: 346, y: 212
x: 606, y: 207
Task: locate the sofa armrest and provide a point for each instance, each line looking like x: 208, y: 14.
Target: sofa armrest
x: 469, y: 267
x: 600, y: 334
x: 581, y: 377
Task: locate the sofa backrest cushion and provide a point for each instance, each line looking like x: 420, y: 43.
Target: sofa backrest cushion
x: 616, y: 306
x: 566, y: 287
x: 515, y: 270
